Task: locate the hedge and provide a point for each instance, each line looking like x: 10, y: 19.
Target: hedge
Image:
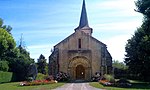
x: 5, y: 76
x: 41, y: 76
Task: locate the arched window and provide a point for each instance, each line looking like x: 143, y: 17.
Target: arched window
x: 79, y: 43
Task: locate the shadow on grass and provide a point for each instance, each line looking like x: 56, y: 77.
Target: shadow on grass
x: 140, y: 85
x: 134, y: 86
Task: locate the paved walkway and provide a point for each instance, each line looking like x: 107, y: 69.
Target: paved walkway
x: 76, y: 86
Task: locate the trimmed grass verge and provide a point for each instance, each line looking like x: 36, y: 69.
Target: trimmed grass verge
x: 16, y: 86
x: 135, y: 86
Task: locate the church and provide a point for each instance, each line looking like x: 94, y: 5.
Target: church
x: 80, y: 55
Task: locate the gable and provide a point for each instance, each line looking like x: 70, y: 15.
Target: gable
x: 71, y: 42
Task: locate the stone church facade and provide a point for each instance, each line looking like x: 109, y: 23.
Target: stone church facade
x: 80, y: 55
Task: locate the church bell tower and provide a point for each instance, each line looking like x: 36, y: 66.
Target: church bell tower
x: 83, y: 24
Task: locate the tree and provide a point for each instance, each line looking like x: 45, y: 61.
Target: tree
x: 138, y: 47
x: 4, y: 66
x: 7, y: 44
x: 42, y: 64
x: 120, y: 69
x: 20, y: 64
x: 119, y: 65
x: 12, y: 58
x: 7, y: 28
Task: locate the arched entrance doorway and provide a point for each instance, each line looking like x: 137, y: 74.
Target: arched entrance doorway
x: 79, y: 68
x: 80, y: 72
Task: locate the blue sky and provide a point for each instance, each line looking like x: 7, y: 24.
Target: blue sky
x: 44, y: 23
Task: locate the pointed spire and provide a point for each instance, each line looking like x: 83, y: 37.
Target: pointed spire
x: 83, y: 18
x: 83, y: 24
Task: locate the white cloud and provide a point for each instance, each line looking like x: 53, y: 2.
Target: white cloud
x: 37, y: 50
x: 116, y: 46
x: 117, y: 8
x: 127, y: 26
x: 114, y: 4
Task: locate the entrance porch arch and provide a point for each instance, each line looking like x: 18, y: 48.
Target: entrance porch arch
x: 79, y: 68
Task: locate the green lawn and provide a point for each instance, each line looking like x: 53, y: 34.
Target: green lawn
x: 16, y: 86
x: 135, y: 86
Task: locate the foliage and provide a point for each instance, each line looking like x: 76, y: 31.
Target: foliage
x: 109, y: 78
x: 19, y: 65
x: 105, y: 82
x: 4, y: 66
x: 5, y: 76
x: 123, y: 83
x: 62, y: 77
x: 50, y: 78
x: 143, y: 6
x: 138, y: 47
x: 40, y: 80
x: 37, y: 82
x: 32, y: 71
x: 96, y: 77
x: 7, y: 44
x: 42, y: 64
x: 17, y: 57
x: 7, y: 28
x: 119, y: 65
x: 120, y: 69
x: 41, y: 76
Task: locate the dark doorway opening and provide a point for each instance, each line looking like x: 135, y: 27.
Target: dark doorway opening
x: 80, y: 72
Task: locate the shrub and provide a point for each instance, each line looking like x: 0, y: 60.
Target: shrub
x: 109, y: 78
x: 5, y: 76
x: 50, y: 78
x: 106, y: 83
x: 29, y: 79
x: 37, y: 82
x: 123, y: 83
x: 4, y: 66
x: 41, y: 76
x: 96, y: 77
x: 61, y: 76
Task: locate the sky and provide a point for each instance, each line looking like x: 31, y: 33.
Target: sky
x: 44, y: 23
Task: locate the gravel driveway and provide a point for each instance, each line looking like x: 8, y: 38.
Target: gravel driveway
x: 76, y: 86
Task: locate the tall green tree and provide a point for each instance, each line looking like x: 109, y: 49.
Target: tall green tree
x: 7, y: 44
x: 12, y: 58
x: 20, y: 64
x: 8, y: 28
x: 42, y: 65
x: 138, y: 47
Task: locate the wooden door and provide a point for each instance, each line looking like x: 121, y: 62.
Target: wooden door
x: 80, y: 72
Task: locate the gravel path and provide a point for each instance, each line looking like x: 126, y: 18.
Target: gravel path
x: 76, y: 86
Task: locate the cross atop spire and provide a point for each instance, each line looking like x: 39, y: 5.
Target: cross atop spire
x: 83, y: 24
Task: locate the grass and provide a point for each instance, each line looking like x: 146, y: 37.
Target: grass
x: 16, y: 86
x: 136, y: 85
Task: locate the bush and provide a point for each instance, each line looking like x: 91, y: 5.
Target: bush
x: 41, y: 76
x: 50, y: 78
x: 62, y: 77
x: 4, y: 66
x: 96, y: 77
x: 123, y: 83
x: 5, y: 76
x: 109, y: 78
